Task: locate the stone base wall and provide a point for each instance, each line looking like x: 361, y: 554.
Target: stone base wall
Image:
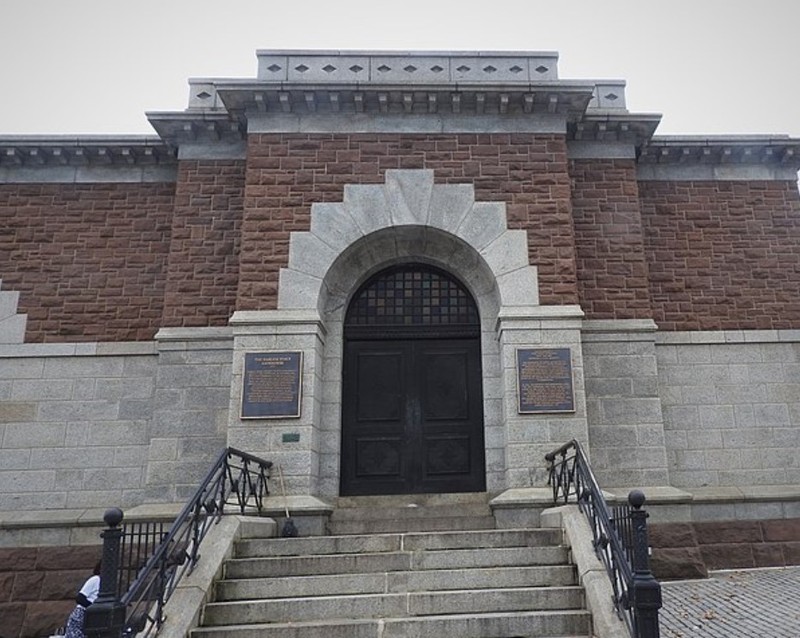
x: 690, y: 550
x: 731, y: 404
x: 38, y: 587
x: 74, y: 424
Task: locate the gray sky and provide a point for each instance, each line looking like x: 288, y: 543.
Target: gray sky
x: 96, y: 66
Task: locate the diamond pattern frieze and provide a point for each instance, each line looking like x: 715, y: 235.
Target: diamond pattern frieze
x: 327, y: 68
x: 273, y: 68
x: 609, y: 95
x: 491, y: 70
x: 403, y: 69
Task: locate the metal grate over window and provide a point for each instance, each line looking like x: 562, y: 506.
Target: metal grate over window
x: 412, y: 296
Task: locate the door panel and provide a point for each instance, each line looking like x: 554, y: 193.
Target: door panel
x: 412, y: 417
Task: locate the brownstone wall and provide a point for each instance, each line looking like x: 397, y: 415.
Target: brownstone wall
x: 690, y: 550
x: 203, y: 270
x: 287, y: 173
x: 723, y: 255
x: 88, y: 259
x: 612, y: 271
x: 38, y: 587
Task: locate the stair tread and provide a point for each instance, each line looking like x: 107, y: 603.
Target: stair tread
x: 408, y: 579
x: 454, y: 592
x: 473, y: 618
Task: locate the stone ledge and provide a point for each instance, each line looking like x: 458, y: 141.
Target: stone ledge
x: 82, y: 349
x: 727, y: 336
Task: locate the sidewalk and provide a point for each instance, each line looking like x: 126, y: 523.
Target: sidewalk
x: 734, y: 604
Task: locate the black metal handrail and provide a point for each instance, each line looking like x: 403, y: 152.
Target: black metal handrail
x: 619, y: 538
x: 148, y: 562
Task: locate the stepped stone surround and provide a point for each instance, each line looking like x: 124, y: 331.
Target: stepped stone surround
x: 12, y: 324
x: 408, y: 218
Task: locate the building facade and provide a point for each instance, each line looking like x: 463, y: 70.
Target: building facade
x: 470, y: 260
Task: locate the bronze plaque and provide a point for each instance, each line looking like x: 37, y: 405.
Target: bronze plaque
x: 272, y: 385
x: 544, y: 380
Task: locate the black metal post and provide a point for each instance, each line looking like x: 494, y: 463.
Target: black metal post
x: 646, y: 589
x: 105, y: 618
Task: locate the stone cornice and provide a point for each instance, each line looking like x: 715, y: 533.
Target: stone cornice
x: 599, y: 125
x: 338, y: 90
x: 95, y: 151
x: 566, y: 98
x: 721, y: 150
x: 200, y: 126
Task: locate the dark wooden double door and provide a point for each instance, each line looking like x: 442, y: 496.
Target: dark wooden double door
x: 412, y: 417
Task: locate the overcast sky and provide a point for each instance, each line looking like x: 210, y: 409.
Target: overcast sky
x: 96, y: 66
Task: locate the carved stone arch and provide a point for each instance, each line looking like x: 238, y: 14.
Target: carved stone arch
x: 407, y: 219
x: 407, y: 198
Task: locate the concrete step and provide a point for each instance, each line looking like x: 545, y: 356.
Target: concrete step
x: 411, y: 513
x: 393, y: 561
x: 411, y: 500
x: 530, y: 624
x: 467, y: 581
x: 411, y: 524
x: 395, y: 582
x: 350, y: 544
x: 472, y: 601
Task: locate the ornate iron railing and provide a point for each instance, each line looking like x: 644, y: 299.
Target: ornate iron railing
x: 145, y: 561
x: 619, y: 538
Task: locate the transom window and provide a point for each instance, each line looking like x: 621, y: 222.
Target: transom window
x: 414, y: 296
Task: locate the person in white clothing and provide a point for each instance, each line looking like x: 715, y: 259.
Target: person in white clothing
x: 85, y: 597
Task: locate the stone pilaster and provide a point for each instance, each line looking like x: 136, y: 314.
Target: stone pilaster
x: 292, y: 443
x: 190, y: 408
x: 626, y: 425
x: 530, y: 436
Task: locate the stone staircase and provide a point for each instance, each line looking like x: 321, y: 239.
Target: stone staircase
x: 401, y: 567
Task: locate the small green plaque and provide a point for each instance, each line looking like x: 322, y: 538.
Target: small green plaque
x: 290, y: 437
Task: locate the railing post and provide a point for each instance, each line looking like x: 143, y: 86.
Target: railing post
x: 105, y: 618
x: 646, y: 592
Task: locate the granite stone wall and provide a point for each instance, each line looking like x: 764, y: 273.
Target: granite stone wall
x: 731, y: 404
x: 74, y: 424
x: 626, y: 425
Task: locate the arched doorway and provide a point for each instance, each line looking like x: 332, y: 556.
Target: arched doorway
x: 412, y: 408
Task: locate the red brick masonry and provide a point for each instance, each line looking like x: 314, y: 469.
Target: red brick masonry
x: 689, y: 550
x: 115, y: 262
x: 723, y: 255
x: 38, y: 587
x: 88, y: 259
x: 286, y: 174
